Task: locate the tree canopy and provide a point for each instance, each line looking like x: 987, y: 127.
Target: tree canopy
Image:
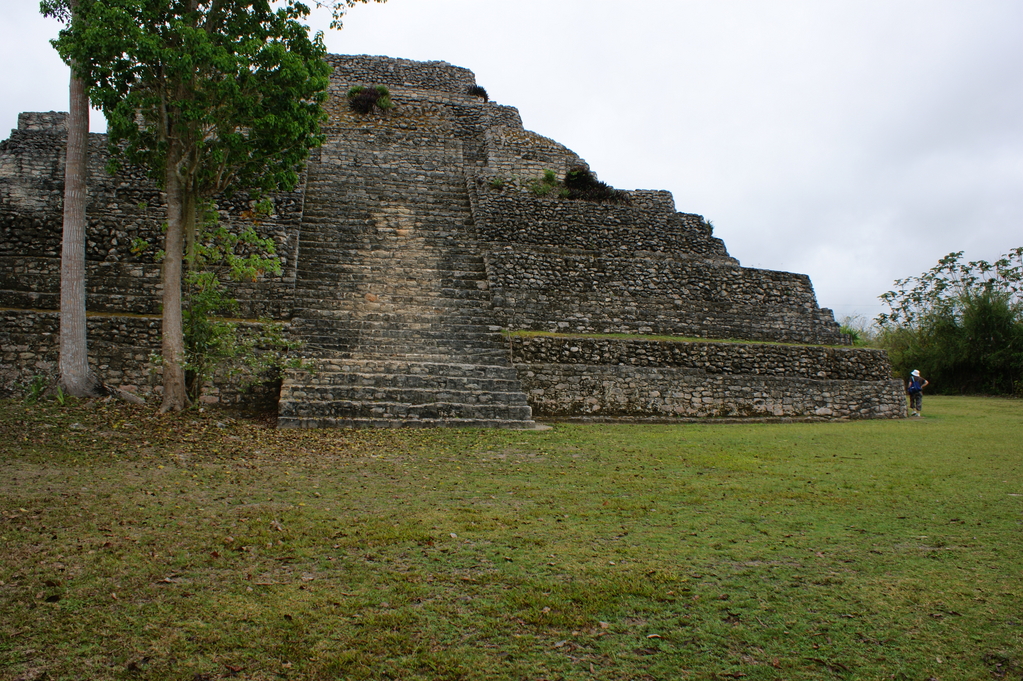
x: 960, y: 323
x: 228, y: 92
x: 207, y: 95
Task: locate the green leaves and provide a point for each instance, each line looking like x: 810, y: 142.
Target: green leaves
x: 210, y: 97
x: 213, y: 343
x: 946, y: 285
x: 338, y: 8
x: 961, y: 324
x: 237, y: 84
x: 362, y: 99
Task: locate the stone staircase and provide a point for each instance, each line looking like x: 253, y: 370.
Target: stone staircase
x: 392, y: 304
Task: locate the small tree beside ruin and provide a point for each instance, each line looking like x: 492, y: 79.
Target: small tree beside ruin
x: 959, y: 323
x: 209, y: 97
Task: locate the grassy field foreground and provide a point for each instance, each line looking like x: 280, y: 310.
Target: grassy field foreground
x: 199, y: 546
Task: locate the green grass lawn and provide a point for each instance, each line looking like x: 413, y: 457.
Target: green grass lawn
x: 200, y: 546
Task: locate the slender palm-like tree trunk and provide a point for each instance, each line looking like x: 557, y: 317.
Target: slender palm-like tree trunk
x: 75, y: 377
x: 174, y: 395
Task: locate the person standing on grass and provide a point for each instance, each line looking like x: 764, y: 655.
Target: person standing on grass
x: 915, y: 388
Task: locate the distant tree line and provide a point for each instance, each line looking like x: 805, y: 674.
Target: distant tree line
x: 959, y: 323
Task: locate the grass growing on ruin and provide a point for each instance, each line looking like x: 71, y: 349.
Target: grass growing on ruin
x: 649, y: 337
x: 198, y: 546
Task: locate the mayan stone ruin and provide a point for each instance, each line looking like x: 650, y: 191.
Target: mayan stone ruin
x: 413, y: 251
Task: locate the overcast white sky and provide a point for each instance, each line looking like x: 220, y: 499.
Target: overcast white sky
x: 856, y: 141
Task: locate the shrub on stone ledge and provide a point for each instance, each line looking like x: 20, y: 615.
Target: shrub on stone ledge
x: 579, y: 183
x: 544, y: 185
x: 363, y: 99
x: 583, y: 184
x: 478, y: 91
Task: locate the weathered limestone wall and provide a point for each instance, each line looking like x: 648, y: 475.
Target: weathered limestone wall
x: 123, y: 211
x: 545, y: 263
x: 758, y: 359
x: 624, y: 378
x: 434, y: 96
x: 560, y: 265
x: 615, y: 392
x: 123, y: 285
x: 120, y: 347
x: 648, y: 225
x: 432, y: 76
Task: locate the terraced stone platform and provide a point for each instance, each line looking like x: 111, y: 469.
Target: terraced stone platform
x: 393, y: 302
x: 409, y: 248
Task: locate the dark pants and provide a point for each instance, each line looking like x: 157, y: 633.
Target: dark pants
x: 916, y: 401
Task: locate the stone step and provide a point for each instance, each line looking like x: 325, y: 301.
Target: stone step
x: 313, y: 394
x: 328, y: 422
x: 384, y: 301
x: 347, y: 233
x: 400, y: 272
x: 447, y: 231
x: 397, y: 330
x: 353, y: 327
x: 390, y: 267
x: 448, y: 178
x: 349, y: 186
x: 450, y: 229
x: 429, y: 271
x: 450, y: 211
x: 418, y: 352
x: 479, y: 311
x: 445, y: 209
x: 351, y: 323
x: 364, y: 251
x: 404, y: 367
x: 341, y: 273
x: 379, y: 380
x: 413, y: 297
x: 358, y: 282
x: 467, y: 337
x: 338, y: 313
x: 449, y: 319
x: 340, y: 235
x: 461, y: 336
x: 321, y: 280
x: 438, y: 186
x: 412, y: 353
x: 437, y: 354
x: 401, y: 410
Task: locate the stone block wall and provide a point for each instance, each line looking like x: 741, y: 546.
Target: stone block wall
x: 758, y: 359
x: 123, y: 211
x: 560, y: 391
x: 662, y: 380
x: 566, y: 265
x: 583, y: 292
x: 431, y: 76
x: 120, y: 347
x: 649, y: 224
x: 512, y: 151
x: 552, y: 264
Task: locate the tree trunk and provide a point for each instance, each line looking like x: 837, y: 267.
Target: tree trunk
x: 75, y: 377
x: 190, y: 218
x: 174, y: 395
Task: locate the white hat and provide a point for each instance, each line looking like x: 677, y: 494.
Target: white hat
x: 916, y: 372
